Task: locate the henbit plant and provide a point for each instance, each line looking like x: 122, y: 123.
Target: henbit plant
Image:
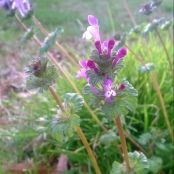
x: 60, y: 69
x: 101, y: 72
x: 42, y: 76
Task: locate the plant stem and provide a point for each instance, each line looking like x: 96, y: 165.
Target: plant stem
x: 156, y: 87
x: 123, y: 142
x: 161, y: 99
x: 60, y: 69
x: 165, y: 50
x: 89, y: 150
x: 57, y: 98
x: 126, y: 6
x: 111, y: 18
x: 60, y: 47
x: 79, y: 132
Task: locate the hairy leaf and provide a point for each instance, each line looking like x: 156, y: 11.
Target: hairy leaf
x: 124, y: 102
x: 49, y: 41
x: 73, y: 102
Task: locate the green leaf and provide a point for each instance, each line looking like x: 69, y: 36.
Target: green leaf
x: 95, y: 56
x: 117, y: 168
x: 108, y: 138
x: 145, y: 138
x: 86, y: 89
x: 139, y: 162
x: 155, y: 164
x: 124, y: 102
x: 27, y: 35
x: 73, y: 102
x: 42, y: 83
x: 166, y: 25
x: 49, y: 41
x: 93, y: 77
x: 64, y: 125
x: 148, y: 67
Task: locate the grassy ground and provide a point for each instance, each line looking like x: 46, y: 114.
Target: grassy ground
x: 66, y: 14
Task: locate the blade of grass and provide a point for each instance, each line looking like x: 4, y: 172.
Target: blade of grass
x: 156, y: 87
x: 126, y: 6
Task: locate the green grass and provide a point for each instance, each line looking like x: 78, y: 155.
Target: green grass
x: 157, y: 143
x: 65, y: 14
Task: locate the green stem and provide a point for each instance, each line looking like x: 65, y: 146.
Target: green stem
x: 154, y: 81
x: 60, y: 47
x: 63, y: 73
x: 79, y: 132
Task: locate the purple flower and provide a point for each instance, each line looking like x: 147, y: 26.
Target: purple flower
x: 147, y: 8
x: 85, y: 66
x: 82, y: 72
x: 6, y: 4
x: 105, y: 47
x: 94, y: 90
x: 92, y: 31
x: 91, y: 65
x: 92, y: 20
x: 110, y: 46
x: 121, y: 53
x: 122, y: 87
x: 22, y: 6
x: 109, y: 93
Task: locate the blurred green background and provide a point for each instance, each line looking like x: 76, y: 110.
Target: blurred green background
x: 66, y: 14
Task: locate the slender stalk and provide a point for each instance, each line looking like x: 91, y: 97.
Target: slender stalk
x: 89, y: 150
x: 111, y: 18
x: 60, y: 69
x: 161, y: 99
x: 60, y: 47
x: 79, y: 132
x: 156, y: 87
x: 165, y: 50
x: 131, y: 139
x: 57, y: 98
x: 126, y: 6
x: 123, y: 142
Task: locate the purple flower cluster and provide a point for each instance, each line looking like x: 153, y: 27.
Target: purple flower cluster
x: 149, y: 7
x: 23, y: 7
x: 103, y: 64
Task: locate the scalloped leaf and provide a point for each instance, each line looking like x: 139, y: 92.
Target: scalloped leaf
x: 93, y: 77
x: 64, y: 127
x: 124, y: 102
x: 73, y: 102
x: 108, y: 138
x: 117, y: 168
x: 155, y: 164
x: 27, y: 35
x: 139, y: 162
